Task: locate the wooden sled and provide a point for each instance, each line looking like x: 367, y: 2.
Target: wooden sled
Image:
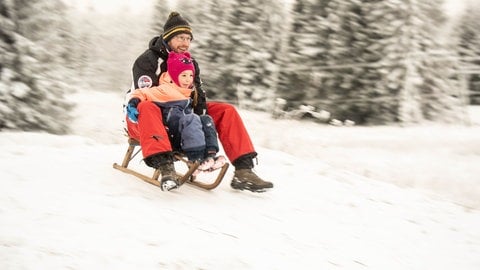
x: 181, y: 178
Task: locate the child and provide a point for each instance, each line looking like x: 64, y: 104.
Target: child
x: 190, y: 133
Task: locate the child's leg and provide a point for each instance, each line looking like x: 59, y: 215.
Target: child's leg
x: 211, y: 138
x: 193, y: 138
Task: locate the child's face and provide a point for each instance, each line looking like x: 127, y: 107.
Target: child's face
x: 185, y: 78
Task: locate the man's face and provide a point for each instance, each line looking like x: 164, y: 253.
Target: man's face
x: 180, y: 43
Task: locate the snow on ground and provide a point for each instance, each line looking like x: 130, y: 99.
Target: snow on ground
x: 441, y: 160
x: 63, y: 206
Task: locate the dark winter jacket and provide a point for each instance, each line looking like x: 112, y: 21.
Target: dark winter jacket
x: 149, y: 65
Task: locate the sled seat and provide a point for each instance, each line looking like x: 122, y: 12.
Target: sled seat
x: 187, y: 177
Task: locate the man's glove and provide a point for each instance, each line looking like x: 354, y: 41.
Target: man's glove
x: 132, y: 111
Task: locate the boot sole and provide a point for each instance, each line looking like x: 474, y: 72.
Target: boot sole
x: 248, y: 186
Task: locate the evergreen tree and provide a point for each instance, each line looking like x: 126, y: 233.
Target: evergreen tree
x: 51, y: 31
x: 375, y: 63
x: 83, y: 46
x: 351, y: 84
x: 468, y: 30
x: 32, y: 90
x: 430, y: 89
x: 393, y: 76
x: 210, y: 45
x: 7, y: 40
x: 254, y: 37
x: 300, y: 78
x: 8, y: 62
x: 161, y: 10
x: 106, y: 45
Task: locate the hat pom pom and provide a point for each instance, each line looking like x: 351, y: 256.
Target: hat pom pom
x: 173, y: 14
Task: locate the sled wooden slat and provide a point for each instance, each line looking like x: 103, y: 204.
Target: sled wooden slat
x: 182, y: 178
x: 128, y: 155
x: 213, y: 185
x: 152, y: 180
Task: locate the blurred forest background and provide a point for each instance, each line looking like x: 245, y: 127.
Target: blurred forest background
x: 374, y: 62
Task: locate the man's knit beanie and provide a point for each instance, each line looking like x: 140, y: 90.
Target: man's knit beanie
x: 175, y: 25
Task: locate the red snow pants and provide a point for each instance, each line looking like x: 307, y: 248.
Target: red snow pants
x: 153, y: 136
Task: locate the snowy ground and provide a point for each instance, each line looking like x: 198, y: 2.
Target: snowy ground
x: 344, y: 198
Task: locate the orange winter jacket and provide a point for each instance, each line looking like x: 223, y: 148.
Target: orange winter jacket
x: 166, y: 91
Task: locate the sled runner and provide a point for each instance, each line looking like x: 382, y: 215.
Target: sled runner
x: 187, y: 177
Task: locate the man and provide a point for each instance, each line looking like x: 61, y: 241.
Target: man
x: 149, y: 129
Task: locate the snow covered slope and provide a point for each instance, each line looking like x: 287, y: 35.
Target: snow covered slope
x: 63, y: 206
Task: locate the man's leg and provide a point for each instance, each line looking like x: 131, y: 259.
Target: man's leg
x: 231, y: 130
x: 237, y: 145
